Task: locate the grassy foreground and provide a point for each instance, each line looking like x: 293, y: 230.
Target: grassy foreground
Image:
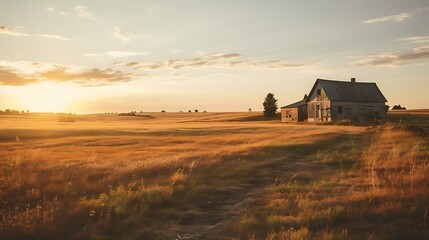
x: 209, y: 176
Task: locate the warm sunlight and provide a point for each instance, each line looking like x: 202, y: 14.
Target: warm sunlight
x: 192, y: 119
x: 46, y: 97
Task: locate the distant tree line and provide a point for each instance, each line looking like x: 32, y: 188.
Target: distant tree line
x: 13, y: 112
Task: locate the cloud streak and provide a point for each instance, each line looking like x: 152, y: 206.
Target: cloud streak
x: 116, y: 54
x: 10, y: 78
x: 52, y: 36
x: 218, y: 60
x: 90, y: 77
x: 392, y: 59
x: 26, y: 73
x: 82, y: 12
x: 122, y: 35
x: 11, y: 32
x: 415, y: 39
x: 396, y: 18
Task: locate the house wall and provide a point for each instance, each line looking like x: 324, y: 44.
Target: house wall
x: 290, y: 115
x: 302, y: 113
x: 318, y: 106
x: 357, y: 111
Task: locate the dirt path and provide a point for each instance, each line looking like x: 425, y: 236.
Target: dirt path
x: 220, y: 217
x: 218, y: 222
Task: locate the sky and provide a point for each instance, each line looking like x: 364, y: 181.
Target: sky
x: 215, y: 55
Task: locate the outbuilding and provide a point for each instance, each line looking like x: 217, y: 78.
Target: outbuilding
x: 295, y: 112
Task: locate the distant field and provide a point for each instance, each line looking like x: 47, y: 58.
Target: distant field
x: 413, y: 116
x: 209, y: 176
x: 410, y: 111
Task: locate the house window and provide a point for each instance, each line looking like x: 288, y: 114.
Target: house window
x: 340, y: 109
x: 319, y: 92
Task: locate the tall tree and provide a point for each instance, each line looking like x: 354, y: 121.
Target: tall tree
x: 270, y: 105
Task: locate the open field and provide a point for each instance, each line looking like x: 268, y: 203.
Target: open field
x: 209, y: 176
x: 413, y: 116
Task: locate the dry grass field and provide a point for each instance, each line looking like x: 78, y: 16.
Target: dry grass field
x: 416, y: 117
x: 209, y: 176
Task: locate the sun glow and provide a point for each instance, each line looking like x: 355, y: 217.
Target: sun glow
x: 46, y: 97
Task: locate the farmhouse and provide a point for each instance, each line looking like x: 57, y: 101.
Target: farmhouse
x: 331, y: 100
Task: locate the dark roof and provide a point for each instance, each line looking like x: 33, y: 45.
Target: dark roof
x: 303, y: 102
x: 353, y: 92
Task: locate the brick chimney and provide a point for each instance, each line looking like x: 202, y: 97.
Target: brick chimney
x: 353, y: 80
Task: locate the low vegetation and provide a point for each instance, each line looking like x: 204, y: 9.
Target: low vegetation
x: 209, y: 176
x: 381, y: 192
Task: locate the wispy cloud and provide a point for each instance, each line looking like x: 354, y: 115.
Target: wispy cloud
x: 50, y: 8
x: 11, y: 32
x: 57, y: 37
x: 82, y: 11
x: 392, y: 59
x: 8, y: 77
x: 218, y: 60
x: 396, y: 18
x: 25, y: 73
x: 26, y: 67
x: 90, y: 77
x: 115, y: 54
x: 122, y: 35
x: 415, y: 39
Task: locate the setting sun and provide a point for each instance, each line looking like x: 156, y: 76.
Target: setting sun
x: 46, y: 97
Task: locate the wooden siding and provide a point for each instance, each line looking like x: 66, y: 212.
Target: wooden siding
x: 294, y: 114
x: 357, y: 111
x: 290, y: 115
x: 319, y: 106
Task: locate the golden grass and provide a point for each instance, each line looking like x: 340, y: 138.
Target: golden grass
x: 385, y: 195
x: 419, y: 117
x: 171, y: 173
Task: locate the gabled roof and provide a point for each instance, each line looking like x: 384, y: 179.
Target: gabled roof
x: 303, y: 102
x: 350, y: 91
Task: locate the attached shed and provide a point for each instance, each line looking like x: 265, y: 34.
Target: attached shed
x: 295, y: 112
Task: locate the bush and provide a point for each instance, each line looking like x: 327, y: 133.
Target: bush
x: 398, y: 107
